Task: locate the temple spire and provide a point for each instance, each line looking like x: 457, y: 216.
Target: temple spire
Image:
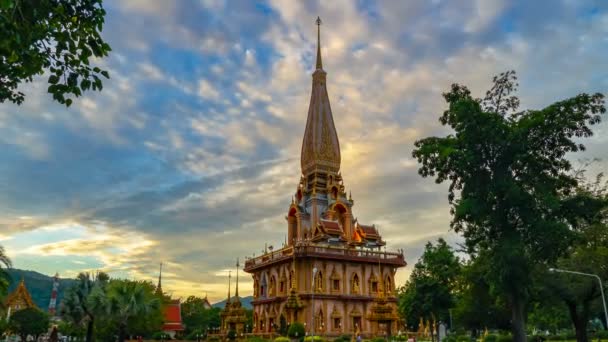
x: 228, y: 300
x: 319, y: 62
x: 320, y: 145
x: 159, y: 288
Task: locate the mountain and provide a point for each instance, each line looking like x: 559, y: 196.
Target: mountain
x: 245, y: 301
x: 38, y: 285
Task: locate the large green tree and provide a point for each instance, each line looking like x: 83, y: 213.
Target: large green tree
x: 477, y: 306
x: 196, y: 317
x: 61, y: 37
x: 128, y: 300
x: 152, y: 321
x: 86, y: 301
x: 510, y: 179
x: 429, y: 292
x: 30, y: 321
x: 589, y: 254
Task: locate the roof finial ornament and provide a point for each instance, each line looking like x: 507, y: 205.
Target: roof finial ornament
x: 319, y: 62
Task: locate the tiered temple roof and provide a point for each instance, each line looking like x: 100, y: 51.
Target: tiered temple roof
x: 20, y: 298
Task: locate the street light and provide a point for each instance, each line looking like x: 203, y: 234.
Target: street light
x: 588, y: 275
x: 312, y: 303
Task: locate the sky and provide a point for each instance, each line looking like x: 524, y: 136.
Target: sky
x: 190, y: 154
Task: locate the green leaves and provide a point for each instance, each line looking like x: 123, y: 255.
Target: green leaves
x: 429, y: 293
x: 30, y: 321
x: 59, y: 36
x: 510, y: 181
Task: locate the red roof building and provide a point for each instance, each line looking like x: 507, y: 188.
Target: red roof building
x: 173, y: 317
x: 172, y: 310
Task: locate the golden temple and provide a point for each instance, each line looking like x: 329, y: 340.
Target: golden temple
x: 19, y: 299
x: 332, y: 274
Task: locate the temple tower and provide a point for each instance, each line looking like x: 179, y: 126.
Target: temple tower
x: 332, y: 274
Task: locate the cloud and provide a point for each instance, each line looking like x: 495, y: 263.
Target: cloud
x: 190, y: 153
x: 207, y: 91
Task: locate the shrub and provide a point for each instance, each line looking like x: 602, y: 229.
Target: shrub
x: 316, y: 339
x: 450, y: 338
x: 504, y: 338
x: 556, y: 338
x: 157, y: 336
x: 378, y: 339
x: 490, y: 338
x: 603, y: 334
x: 281, y: 339
x: 213, y: 339
x: 256, y: 339
x: 464, y: 338
x: 296, y: 330
x: 537, y: 338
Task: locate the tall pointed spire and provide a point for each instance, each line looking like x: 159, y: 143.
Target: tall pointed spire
x: 159, y: 287
x: 320, y: 146
x: 228, y: 300
x: 236, y: 291
x: 319, y: 62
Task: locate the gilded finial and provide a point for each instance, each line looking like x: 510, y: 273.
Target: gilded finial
x: 319, y: 62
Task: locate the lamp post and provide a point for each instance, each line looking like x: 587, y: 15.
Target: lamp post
x: 312, y: 304
x: 588, y: 275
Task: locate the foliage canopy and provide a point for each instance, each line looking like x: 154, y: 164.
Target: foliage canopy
x: 58, y: 36
x: 510, y: 184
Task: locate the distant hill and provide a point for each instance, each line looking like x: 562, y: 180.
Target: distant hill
x: 38, y: 285
x: 245, y: 301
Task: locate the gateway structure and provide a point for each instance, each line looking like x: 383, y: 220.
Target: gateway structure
x: 332, y: 274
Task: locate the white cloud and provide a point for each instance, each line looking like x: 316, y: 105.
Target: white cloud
x: 207, y: 91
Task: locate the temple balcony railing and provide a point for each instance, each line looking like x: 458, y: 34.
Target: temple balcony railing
x: 325, y: 252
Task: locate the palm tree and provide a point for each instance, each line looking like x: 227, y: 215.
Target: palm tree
x: 86, y: 300
x: 4, y: 276
x: 129, y: 299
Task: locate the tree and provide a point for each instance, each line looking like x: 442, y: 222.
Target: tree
x: 509, y: 181
x: 196, y: 317
x: 4, y: 276
x: 129, y: 299
x: 296, y: 331
x: 477, y: 306
x: 30, y: 321
x: 589, y: 254
x: 429, y: 293
x: 85, y: 301
x: 152, y: 321
x: 71, y: 330
x: 58, y: 36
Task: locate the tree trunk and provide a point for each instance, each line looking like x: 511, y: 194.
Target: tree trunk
x: 90, y: 326
x: 579, y: 320
x: 518, y: 324
x: 121, y: 333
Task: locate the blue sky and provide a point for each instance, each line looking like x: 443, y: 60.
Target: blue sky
x: 190, y: 155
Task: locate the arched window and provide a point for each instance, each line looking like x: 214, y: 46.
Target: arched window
x: 263, y: 286
x: 272, y: 290
x: 319, y: 282
x: 319, y: 321
x: 355, y: 286
x: 388, y: 286
x: 373, y: 284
